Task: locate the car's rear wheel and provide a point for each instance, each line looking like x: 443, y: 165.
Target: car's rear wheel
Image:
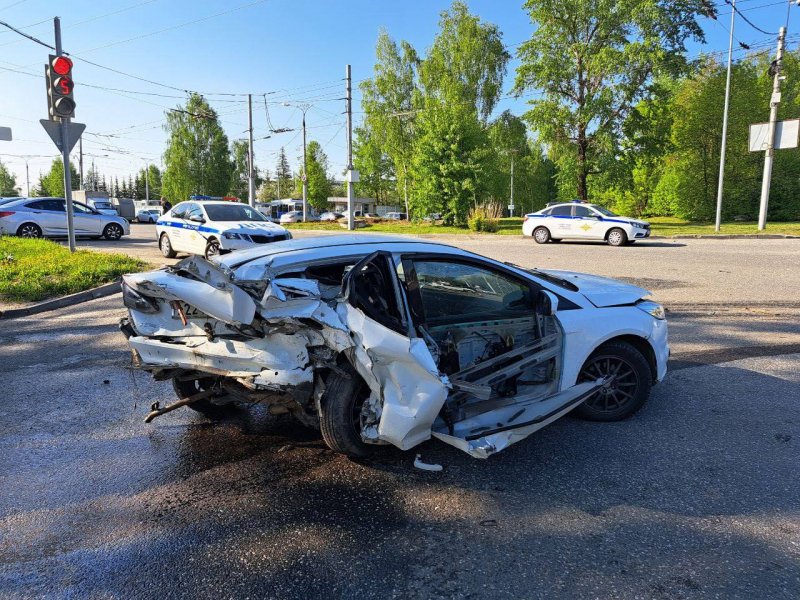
x: 185, y: 388
x: 166, y: 246
x: 29, y: 230
x: 541, y: 235
x: 617, y: 237
x: 628, y: 384
x: 113, y: 232
x: 212, y: 248
x: 340, y: 413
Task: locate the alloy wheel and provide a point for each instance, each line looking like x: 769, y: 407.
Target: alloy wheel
x: 619, y: 389
x: 29, y: 231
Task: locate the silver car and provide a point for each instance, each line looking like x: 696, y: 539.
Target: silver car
x: 47, y: 217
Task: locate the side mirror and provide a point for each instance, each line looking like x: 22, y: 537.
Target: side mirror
x: 599, y: 217
x: 197, y: 219
x: 547, y: 303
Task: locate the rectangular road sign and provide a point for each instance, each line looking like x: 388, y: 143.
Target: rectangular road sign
x: 786, y: 135
x: 5, y: 134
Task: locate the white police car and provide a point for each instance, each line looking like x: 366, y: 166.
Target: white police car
x: 211, y: 228
x: 582, y: 221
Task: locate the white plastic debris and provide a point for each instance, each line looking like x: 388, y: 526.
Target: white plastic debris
x: 426, y: 466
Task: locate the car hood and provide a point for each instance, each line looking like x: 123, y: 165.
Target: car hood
x: 251, y: 228
x: 602, y: 291
x: 627, y: 220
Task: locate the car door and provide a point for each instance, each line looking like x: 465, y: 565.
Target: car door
x: 175, y: 224
x: 194, y: 238
x: 499, y: 341
x: 86, y: 221
x: 587, y: 224
x: 49, y: 214
x: 559, y: 221
x: 407, y: 391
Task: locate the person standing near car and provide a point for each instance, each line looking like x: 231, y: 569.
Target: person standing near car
x: 165, y: 205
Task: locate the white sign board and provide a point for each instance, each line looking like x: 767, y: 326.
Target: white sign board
x: 5, y: 134
x: 786, y: 135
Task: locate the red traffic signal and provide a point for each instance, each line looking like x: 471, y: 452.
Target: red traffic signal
x: 61, y: 65
x: 60, y: 84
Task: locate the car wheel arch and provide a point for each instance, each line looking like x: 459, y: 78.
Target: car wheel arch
x: 639, y: 342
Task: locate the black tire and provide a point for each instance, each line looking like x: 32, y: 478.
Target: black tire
x: 212, y: 248
x: 628, y: 389
x: 29, y: 230
x: 554, y: 240
x: 166, y: 246
x: 339, y: 416
x: 113, y: 232
x: 541, y: 235
x: 189, y: 387
x: 617, y: 237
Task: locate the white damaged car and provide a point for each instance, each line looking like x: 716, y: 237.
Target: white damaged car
x: 381, y: 340
x: 209, y: 228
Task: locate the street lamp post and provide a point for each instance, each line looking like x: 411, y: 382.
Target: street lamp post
x: 303, y: 107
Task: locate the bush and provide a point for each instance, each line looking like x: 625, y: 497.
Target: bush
x: 479, y: 220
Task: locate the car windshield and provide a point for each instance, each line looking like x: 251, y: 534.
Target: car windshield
x: 102, y: 205
x: 232, y: 212
x: 603, y: 210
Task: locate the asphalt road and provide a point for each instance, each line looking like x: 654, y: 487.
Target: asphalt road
x: 696, y: 496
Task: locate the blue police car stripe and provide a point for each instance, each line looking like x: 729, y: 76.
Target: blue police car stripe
x: 180, y: 225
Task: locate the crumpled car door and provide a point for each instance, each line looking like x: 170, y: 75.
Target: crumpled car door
x: 407, y: 391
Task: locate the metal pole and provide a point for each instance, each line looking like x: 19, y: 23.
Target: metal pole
x: 725, y: 123
x: 511, y: 207
x: 773, y: 119
x: 305, y: 171
x: 251, y: 181
x: 349, y: 108
x: 65, y: 152
x: 147, y: 183
x: 27, y: 179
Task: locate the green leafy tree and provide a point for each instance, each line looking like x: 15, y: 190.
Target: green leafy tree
x: 52, y: 184
x: 319, y: 185
x: 197, y: 159
x: 151, y: 180
x: 283, y: 175
x: 594, y: 61
x: 8, y: 183
x: 374, y: 166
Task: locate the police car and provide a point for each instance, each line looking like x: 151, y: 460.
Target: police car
x: 211, y: 228
x: 582, y: 221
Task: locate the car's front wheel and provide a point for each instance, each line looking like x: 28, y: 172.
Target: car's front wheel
x: 166, y: 246
x: 627, y: 386
x: 617, y: 237
x: 29, y: 230
x: 212, y: 248
x: 541, y: 235
x: 113, y: 232
x: 340, y: 413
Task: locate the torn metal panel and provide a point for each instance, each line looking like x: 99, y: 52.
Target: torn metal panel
x: 490, y: 432
x: 402, y: 373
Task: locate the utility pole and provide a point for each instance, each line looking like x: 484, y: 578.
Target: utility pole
x: 725, y: 122
x: 27, y: 179
x: 773, y: 119
x: 304, y: 108
x: 251, y: 182
x: 352, y: 176
x: 80, y: 160
x: 147, y: 183
x: 65, y: 147
x: 511, y: 204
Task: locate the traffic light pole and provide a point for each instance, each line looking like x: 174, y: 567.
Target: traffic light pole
x: 350, y: 190
x: 65, y: 146
x: 251, y: 182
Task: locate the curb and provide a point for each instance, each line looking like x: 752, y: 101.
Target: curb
x: 727, y: 236
x: 108, y: 289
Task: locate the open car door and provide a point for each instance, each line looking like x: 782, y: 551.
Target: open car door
x: 407, y: 391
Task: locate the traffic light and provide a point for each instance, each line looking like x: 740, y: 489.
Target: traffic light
x: 60, y: 103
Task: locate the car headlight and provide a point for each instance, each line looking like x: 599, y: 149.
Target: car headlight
x: 654, y: 309
x: 133, y: 299
x: 232, y: 236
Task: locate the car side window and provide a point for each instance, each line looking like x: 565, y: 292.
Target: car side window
x: 194, y: 211
x: 80, y: 208
x: 179, y: 212
x: 582, y: 211
x: 55, y: 205
x: 37, y: 205
x: 458, y: 292
x: 561, y: 211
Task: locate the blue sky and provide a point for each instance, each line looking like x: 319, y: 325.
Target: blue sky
x: 294, y: 50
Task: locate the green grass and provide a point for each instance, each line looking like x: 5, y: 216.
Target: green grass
x: 666, y: 226
x: 32, y: 270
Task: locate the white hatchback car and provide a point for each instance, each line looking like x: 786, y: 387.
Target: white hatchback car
x: 382, y: 340
x: 211, y: 228
x: 581, y: 221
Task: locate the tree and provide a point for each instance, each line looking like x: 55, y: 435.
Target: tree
x: 197, y: 160
x: 594, y: 61
x: 52, y: 184
x: 8, y: 183
x: 283, y: 175
x: 151, y: 177
x: 373, y: 164
x: 319, y: 185
x: 388, y: 101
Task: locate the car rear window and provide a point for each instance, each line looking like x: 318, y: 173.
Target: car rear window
x: 561, y: 211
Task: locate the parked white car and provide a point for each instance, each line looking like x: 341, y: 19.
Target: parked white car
x: 330, y: 216
x: 209, y: 228
x: 47, y: 217
x: 395, y: 216
x: 382, y: 340
x: 293, y: 216
x: 148, y: 215
x: 582, y: 221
